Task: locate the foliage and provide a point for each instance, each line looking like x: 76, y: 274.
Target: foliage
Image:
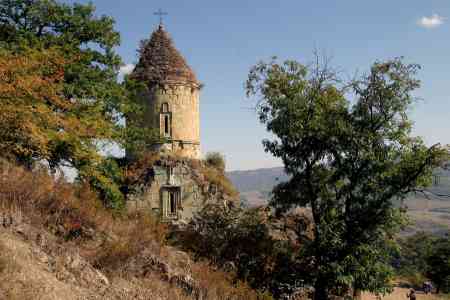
x: 107, y: 181
x: 240, y: 241
x: 215, y: 160
x: 423, y: 256
x: 31, y: 108
x: 70, y: 215
x: 347, y: 161
x: 85, y: 41
x: 137, y: 137
x: 61, y: 101
x: 218, y: 178
x: 411, y: 257
x: 439, y: 264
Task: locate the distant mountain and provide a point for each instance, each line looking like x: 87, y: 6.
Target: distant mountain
x: 263, y: 180
x: 428, y: 212
x: 258, y: 179
x: 256, y: 185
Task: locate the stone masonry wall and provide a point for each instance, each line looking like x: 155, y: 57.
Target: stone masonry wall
x: 193, y: 197
x: 183, y: 107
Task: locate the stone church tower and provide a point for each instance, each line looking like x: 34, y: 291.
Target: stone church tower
x: 176, y: 187
x: 172, y: 102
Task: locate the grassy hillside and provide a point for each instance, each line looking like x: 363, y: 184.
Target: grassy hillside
x: 58, y: 242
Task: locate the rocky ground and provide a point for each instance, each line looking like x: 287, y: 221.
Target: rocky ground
x: 35, y: 264
x: 57, y: 241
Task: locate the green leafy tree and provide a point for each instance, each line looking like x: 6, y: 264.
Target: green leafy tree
x: 410, y: 258
x: 439, y: 264
x: 137, y: 137
x: 91, y: 105
x: 241, y: 241
x: 347, y: 161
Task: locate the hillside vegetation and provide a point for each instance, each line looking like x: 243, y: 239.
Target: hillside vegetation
x: 330, y: 232
x: 58, y: 241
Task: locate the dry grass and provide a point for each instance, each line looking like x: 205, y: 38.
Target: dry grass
x: 74, y: 214
x: 65, y: 209
x: 133, y: 233
x: 9, y: 287
x: 218, y: 178
x: 400, y: 294
x: 217, y: 284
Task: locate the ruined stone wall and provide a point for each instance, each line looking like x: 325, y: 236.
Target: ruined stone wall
x: 184, y: 113
x: 193, y: 196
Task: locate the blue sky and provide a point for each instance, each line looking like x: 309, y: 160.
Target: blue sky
x: 221, y: 40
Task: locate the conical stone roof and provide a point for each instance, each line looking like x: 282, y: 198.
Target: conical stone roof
x: 161, y: 63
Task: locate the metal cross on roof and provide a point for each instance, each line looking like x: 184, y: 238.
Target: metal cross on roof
x: 160, y: 13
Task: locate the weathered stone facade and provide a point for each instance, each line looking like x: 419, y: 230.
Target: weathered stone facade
x: 171, y: 189
x: 172, y: 102
x: 175, y: 192
x: 175, y: 111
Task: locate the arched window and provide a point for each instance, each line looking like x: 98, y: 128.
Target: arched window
x: 166, y: 124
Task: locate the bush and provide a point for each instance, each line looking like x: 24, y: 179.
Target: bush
x: 66, y: 209
x: 215, y: 160
x: 107, y: 182
x: 133, y: 234
x: 439, y: 264
x: 218, y: 178
x: 424, y: 256
x: 74, y: 212
x: 240, y: 241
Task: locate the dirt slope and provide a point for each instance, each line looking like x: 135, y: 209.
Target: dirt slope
x: 34, y: 266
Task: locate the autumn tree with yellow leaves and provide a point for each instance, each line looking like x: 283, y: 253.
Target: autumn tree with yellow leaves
x: 60, y: 100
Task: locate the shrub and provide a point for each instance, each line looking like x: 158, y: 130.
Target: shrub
x: 240, y: 241
x: 439, y: 264
x: 138, y: 171
x: 107, y: 181
x: 413, y: 252
x: 74, y: 212
x: 46, y: 198
x: 218, y: 178
x: 424, y: 256
x: 133, y: 233
x: 217, y: 284
x: 215, y: 160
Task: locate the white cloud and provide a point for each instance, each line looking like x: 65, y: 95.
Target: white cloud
x: 126, y: 69
x: 433, y: 21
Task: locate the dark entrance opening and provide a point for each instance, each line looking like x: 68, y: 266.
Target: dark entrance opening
x: 172, y: 203
x: 166, y: 125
